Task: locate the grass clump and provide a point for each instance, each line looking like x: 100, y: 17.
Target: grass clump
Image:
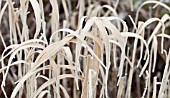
x: 84, y: 49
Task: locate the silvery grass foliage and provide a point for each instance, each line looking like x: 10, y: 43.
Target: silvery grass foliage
x: 88, y: 48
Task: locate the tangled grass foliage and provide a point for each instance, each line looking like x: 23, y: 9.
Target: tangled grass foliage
x: 88, y: 53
